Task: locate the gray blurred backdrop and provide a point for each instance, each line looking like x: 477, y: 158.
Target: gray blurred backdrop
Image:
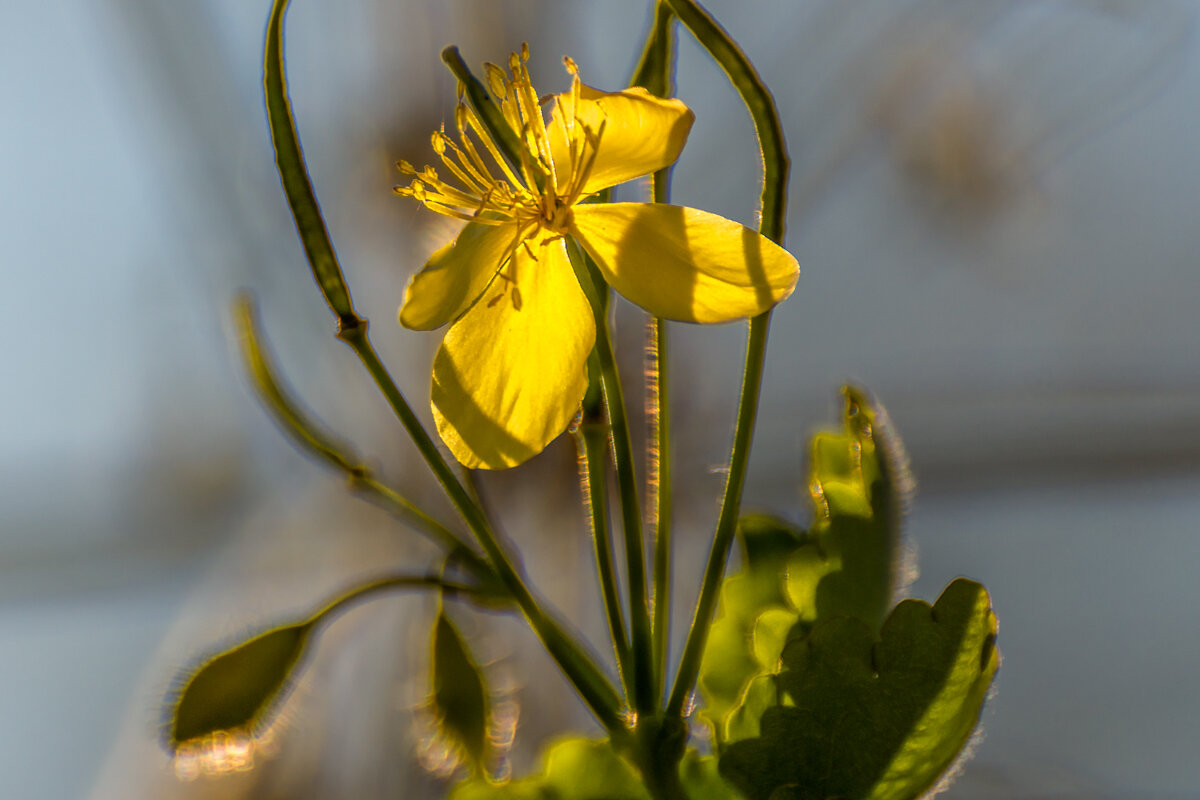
x: 994, y: 209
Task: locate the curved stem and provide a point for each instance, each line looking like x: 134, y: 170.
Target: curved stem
x: 759, y: 103
x: 762, y: 109
x: 363, y: 592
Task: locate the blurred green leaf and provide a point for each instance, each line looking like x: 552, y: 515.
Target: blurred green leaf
x: 573, y: 769
x: 866, y: 717
x: 702, y: 781
x: 459, y: 694
x: 479, y: 789
x: 238, y: 689
x: 589, y: 769
x: 583, y: 769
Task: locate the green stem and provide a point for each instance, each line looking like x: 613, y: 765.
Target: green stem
x: 396, y: 504
x: 759, y: 103
x: 592, y: 436
x: 659, y: 485
x: 762, y: 109
x: 655, y: 72
x: 631, y: 515
x: 593, y: 443
x: 655, y: 67
x: 689, y: 665
x: 389, y: 584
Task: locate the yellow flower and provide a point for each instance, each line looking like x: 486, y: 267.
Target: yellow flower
x: 511, y: 370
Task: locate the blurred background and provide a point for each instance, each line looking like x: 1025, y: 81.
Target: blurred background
x: 993, y: 205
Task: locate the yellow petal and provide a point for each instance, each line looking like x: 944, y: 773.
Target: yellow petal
x: 682, y: 263
x: 510, y: 373
x: 455, y: 276
x: 642, y: 133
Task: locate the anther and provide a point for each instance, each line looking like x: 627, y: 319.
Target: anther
x: 572, y: 67
x: 516, y: 299
x: 494, y: 300
x: 405, y: 167
x: 497, y: 80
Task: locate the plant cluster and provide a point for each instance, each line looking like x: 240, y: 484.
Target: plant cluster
x: 812, y: 683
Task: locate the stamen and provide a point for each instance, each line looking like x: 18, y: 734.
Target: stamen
x: 516, y: 193
x: 581, y: 175
x: 476, y: 126
x: 471, y: 180
x: 454, y: 213
x: 539, y: 141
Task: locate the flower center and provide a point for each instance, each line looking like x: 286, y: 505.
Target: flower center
x: 543, y: 192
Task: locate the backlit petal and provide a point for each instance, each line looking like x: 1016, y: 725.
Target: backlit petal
x: 510, y: 373
x: 456, y: 275
x: 684, y: 264
x: 642, y: 133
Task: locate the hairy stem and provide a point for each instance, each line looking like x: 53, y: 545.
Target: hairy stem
x: 592, y: 439
x: 655, y: 72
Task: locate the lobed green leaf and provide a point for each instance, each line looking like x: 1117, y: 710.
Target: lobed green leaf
x: 844, y: 565
x: 861, y: 717
x: 730, y: 659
